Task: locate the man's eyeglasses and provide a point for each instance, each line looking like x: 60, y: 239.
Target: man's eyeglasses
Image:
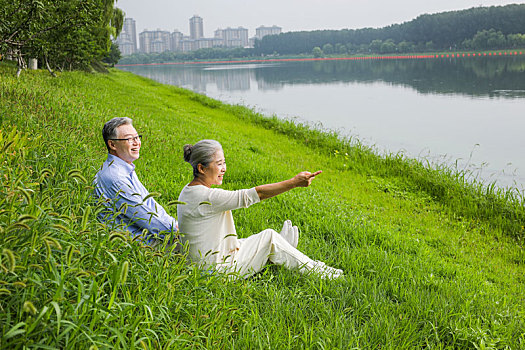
x: 130, y: 139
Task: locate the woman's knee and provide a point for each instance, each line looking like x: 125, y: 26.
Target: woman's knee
x: 273, y: 237
x: 268, y: 234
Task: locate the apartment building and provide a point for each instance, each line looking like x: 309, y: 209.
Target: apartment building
x: 127, y: 40
x: 263, y: 31
x: 233, y: 37
x: 155, y: 41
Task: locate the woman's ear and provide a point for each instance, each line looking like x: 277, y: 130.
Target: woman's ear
x: 200, y: 168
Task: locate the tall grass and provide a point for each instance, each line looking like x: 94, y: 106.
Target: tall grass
x: 420, y: 273
x: 457, y: 189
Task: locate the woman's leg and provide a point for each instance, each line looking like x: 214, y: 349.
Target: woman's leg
x: 257, y: 249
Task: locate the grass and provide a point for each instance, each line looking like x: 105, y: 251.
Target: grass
x: 431, y: 261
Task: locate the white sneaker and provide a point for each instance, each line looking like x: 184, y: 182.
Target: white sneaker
x: 325, y: 271
x: 290, y: 233
x: 295, y: 236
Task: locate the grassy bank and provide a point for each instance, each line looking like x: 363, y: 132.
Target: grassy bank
x: 429, y: 261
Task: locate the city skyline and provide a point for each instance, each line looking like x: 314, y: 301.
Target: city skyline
x: 159, y: 40
x: 291, y: 15
x: 196, y: 25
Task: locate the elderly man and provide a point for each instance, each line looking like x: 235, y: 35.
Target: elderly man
x: 119, y: 187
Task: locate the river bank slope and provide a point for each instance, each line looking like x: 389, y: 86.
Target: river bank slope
x: 429, y: 262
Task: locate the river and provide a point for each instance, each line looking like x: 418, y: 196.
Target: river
x: 467, y: 112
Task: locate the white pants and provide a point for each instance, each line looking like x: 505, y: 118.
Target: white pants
x: 257, y: 249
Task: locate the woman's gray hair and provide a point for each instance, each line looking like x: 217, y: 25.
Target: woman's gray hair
x: 109, y: 131
x: 201, y: 153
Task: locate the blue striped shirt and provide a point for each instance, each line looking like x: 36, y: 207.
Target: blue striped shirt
x: 117, y: 184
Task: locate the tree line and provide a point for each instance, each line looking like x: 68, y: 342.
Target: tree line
x: 215, y: 53
x: 442, y: 31
x: 61, y: 34
x: 483, y: 40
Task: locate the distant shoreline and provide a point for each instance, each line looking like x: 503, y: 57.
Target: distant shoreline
x: 462, y: 54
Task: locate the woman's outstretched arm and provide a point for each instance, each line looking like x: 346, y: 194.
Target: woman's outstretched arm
x: 303, y: 179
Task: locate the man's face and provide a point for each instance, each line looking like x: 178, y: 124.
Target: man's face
x: 127, y: 151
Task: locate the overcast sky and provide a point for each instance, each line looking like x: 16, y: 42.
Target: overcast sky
x: 291, y: 15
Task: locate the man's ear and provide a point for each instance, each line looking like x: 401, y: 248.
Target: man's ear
x: 111, y: 145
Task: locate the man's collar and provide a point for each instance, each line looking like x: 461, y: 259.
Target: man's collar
x: 112, y: 159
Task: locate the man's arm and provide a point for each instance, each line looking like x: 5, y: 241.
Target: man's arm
x: 146, y: 214
x: 127, y: 201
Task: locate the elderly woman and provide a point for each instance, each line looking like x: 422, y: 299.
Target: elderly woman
x: 206, y: 220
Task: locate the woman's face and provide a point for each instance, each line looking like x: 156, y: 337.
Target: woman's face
x: 214, y: 172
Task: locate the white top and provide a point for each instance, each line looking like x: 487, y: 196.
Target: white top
x: 209, y: 228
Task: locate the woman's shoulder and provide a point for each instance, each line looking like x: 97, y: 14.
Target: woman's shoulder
x: 193, y: 190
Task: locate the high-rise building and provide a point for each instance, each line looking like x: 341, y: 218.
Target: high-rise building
x: 127, y: 40
x: 176, y: 40
x: 154, y: 41
x: 125, y: 44
x: 130, y: 27
x: 196, y: 27
x: 145, y: 40
x: 263, y: 31
x: 233, y: 37
x: 188, y: 44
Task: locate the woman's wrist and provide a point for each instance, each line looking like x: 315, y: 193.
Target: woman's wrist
x: 294, y: 182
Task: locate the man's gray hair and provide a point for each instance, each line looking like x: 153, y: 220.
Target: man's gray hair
x: 109, y: 131
x: 201, y: 153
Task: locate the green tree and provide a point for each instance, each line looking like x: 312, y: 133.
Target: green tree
x: 488, y: 39
x: 340, y: 49
x: 113, y: 55
x: 317, y: 52
x: 429, y: 46
x: 64, y: 34
x: 375, y: 45
x: 328, y: 49
x: 516, y: 41
x: 388, y: 46
x: 405, y: 46
x: 351, y: 48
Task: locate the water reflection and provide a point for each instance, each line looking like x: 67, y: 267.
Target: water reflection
x: 197, y: 79
x: 480, y: 76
